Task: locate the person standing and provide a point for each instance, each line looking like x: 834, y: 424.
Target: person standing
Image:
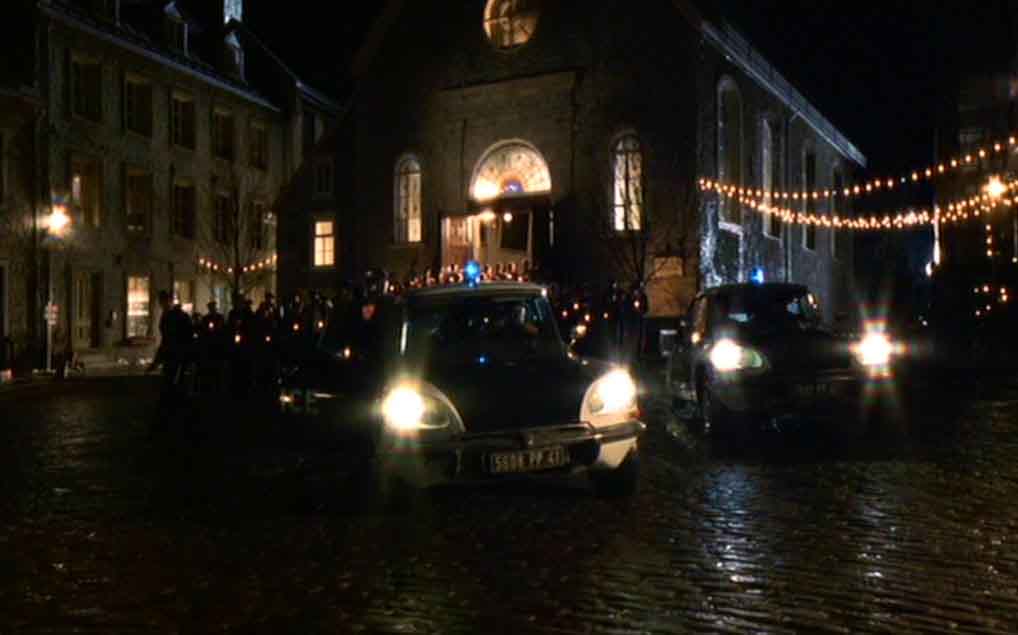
x: 175, y: 344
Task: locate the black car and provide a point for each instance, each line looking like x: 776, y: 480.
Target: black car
x: 474, y: 383
x: 750, y: 354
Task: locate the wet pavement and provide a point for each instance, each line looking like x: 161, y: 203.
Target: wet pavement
x: 110, y: 524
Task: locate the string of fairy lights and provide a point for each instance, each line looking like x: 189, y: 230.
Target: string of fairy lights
x: 994, y: 195
x: 212, y: 266
x: 886, y: 184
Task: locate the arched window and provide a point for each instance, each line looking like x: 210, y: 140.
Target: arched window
x: 770, y: 173
x: 510, y: 23
x: 627, y: 170
x: 408, y: 201
x: 729, y: 149
x: 809, y: 203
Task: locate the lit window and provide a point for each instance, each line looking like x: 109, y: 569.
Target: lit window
x: 809, y: 206
x: 139, y: 200
x: 138, y: 106
x: 729, y: 150
x: 138, y: 306
x: 183, y: 294
x: 627, y: 168
x: 325, y: 244
x: 182, y: 118
x: 85, y: 190
x: 408, y: 201
x: 510, y: 23
x: 770, y: 160
x: 86, y: 89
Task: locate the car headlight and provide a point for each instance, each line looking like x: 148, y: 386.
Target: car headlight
x: 727, y: 355
x: 611, y: 394
x: 875, y: 349
x: 409, y: 407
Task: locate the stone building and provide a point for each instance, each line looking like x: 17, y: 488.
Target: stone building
x: 570, y: 135
x: 169, y: 128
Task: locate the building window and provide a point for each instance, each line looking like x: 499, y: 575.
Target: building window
x: 408, y: 201
x: 183, y: 294
x: 86, y: 88
x: 235, y: 57
x: 182, y: 120
x: 323, y: 177
x: 221, y: 226
x: 183, y: 210
x: 770, y: 171
x: 138, y: 306
x: 86, y: 191
x: 729, y: 150
x: 138, y: 106
x: 510, y: 23
x: 325, y: 244
x: 259, y: 240
x: 809, y: 204
x: 138, y: 199
x: 259, y: 145
x: 627, y: 171
x: 222, y: 134
x: 839, y: 237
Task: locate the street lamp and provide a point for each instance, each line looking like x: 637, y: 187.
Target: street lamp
x: 54, y: 226
x: 995, y: 188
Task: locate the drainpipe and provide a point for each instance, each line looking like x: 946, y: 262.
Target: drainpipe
x: 787, y: 229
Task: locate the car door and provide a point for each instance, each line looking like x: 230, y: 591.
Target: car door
x: 687, y: 349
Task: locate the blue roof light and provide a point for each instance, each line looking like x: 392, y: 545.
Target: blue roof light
x: 756, y: 276
x: 472, y: 271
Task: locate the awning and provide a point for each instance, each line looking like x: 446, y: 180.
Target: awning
x: 521, y: 202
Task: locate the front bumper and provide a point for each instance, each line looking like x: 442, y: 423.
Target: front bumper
x: 465, y: 458
x: 819, y: 395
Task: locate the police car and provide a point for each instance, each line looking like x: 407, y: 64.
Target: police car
x: 748, y: 355
x: 473, y: 382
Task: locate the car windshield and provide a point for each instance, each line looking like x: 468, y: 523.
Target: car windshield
x: 769, y: 309
x: 481, y: 329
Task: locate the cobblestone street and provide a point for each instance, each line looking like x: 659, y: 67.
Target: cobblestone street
x: 109, y: 526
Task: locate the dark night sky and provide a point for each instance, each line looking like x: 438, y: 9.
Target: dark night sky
x: 884, y: 72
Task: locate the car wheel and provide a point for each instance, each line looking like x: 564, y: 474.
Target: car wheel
x: 717, y: 419
x: 623, y: 481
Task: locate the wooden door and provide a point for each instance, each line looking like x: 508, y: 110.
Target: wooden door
x: 86, y: 310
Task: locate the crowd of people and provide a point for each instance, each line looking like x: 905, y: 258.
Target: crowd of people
x: 241, y: 353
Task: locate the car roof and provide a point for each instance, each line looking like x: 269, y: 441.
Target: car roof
x: 775, y: 287
x: 481, y: 289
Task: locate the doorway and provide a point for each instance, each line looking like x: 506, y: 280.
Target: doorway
x: 87, y: 288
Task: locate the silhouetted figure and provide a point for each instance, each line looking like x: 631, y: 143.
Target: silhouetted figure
x: 175, y: 346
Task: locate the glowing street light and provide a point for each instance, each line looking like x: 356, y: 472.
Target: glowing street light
x: 58, y: 219
x: 995, y: 188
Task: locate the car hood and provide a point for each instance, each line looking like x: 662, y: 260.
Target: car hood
x: 512, y: 396
x: 798, y: 351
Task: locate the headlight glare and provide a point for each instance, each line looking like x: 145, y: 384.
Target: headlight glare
x: 613, y: 393
x: 403, y: 408
x: 727, y: 355
x: 875, y: 349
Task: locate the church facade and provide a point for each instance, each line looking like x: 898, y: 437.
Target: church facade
x: 569, y: 138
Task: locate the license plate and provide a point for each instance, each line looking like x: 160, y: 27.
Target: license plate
x: 528, y: 460
x: 813, y: 391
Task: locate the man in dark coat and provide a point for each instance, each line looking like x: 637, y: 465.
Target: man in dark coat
x: 175, y: 345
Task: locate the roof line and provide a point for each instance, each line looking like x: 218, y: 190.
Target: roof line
x: 314, y: 93
x: 743, y: 54
x: 156, y: 56
x: 375, y: 35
